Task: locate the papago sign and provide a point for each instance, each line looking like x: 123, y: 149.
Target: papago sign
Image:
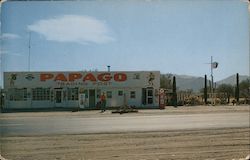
x: 71, y: 77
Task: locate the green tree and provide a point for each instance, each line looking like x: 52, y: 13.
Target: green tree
x: 226, y: 90
x: 237, y: 89
x: 174, y: 93
x: 205, y: 90
x: 244, y: 88
x: 165, y: 81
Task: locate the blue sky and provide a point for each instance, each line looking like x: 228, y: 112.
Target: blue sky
x: 169, y: 36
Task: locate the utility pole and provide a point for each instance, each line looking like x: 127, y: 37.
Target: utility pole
x: 29, y: 51
x: 212, y: 83
x: 213, y: 65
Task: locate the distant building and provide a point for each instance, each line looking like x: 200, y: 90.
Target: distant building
x: 80, y: 89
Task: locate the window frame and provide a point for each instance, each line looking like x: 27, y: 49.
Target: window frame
x: 133, y: 94
x: 120, y: 93
x: 109, y: 94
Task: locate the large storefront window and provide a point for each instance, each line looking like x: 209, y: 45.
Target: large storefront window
x: 86, y: 93
x: 132, y: 94
x: 18, y: 94
x: 41, y: 94
x: 73, y: 94
x: 98, y: 93
x: 120, y: 93
x: 109, y: 94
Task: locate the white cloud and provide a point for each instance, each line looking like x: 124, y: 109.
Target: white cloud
x: 73, y: 28
x: 9, y: 36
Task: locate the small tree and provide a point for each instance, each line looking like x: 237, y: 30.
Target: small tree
x: 227, y: 90
x: 165, y: 82
x: 244, y: 88
x: 237, y: 89
x: 205, y: 90
x: 174, y: 93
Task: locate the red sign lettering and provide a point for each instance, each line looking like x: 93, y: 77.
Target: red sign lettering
x: 104, y: 77
x: 44, y: 77
x: 120, y: 77
x: 60, y: 77
x: 74, y: 76
x: 89, y: 77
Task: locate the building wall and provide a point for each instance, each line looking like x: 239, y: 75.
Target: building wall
x: 61, y: 89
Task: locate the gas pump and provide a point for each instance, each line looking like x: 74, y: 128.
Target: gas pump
x: 162, y: 99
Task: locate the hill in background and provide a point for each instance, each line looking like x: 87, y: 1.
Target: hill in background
x: 232, y: 79
x: 186, y: 82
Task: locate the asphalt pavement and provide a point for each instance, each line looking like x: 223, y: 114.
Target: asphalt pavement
x: 110, y: 123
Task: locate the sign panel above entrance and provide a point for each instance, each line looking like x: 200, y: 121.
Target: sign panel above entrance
x: 71, y: 77
x: 82, y: 79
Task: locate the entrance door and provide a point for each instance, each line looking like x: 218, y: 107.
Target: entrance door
x: 147, y: 96
x: 58, y: 98
x: 92, y: 103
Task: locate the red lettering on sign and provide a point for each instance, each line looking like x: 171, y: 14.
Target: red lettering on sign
x: 89, y: 77
x: 60, y: 77
x: 45, y: 76
x: 120, y: 77
x: 104, y: 77
x: 74, y: 76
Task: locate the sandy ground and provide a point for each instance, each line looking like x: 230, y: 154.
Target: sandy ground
x: 214, y: 144
x: 196, y: 144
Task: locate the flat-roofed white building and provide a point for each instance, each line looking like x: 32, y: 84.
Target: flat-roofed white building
x: 81, y: 89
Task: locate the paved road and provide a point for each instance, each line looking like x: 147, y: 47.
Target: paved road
x: 17, y: 126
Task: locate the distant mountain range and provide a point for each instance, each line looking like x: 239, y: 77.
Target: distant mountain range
x: 232, y: 79
x: 186, y: 82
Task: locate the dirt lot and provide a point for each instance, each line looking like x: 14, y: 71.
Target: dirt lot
x: 199, y: 144
x: 216, y: 144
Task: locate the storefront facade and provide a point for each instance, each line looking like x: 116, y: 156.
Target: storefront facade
x: 81, y: 89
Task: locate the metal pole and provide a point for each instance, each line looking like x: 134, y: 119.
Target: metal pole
x: 29, y: 51
x: 212, y: 79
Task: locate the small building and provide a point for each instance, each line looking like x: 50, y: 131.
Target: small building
x: 81, y: 89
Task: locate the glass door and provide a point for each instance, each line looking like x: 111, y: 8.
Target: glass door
x: 92, y: 103
x: 58, y: 97
x: 149, y: 96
